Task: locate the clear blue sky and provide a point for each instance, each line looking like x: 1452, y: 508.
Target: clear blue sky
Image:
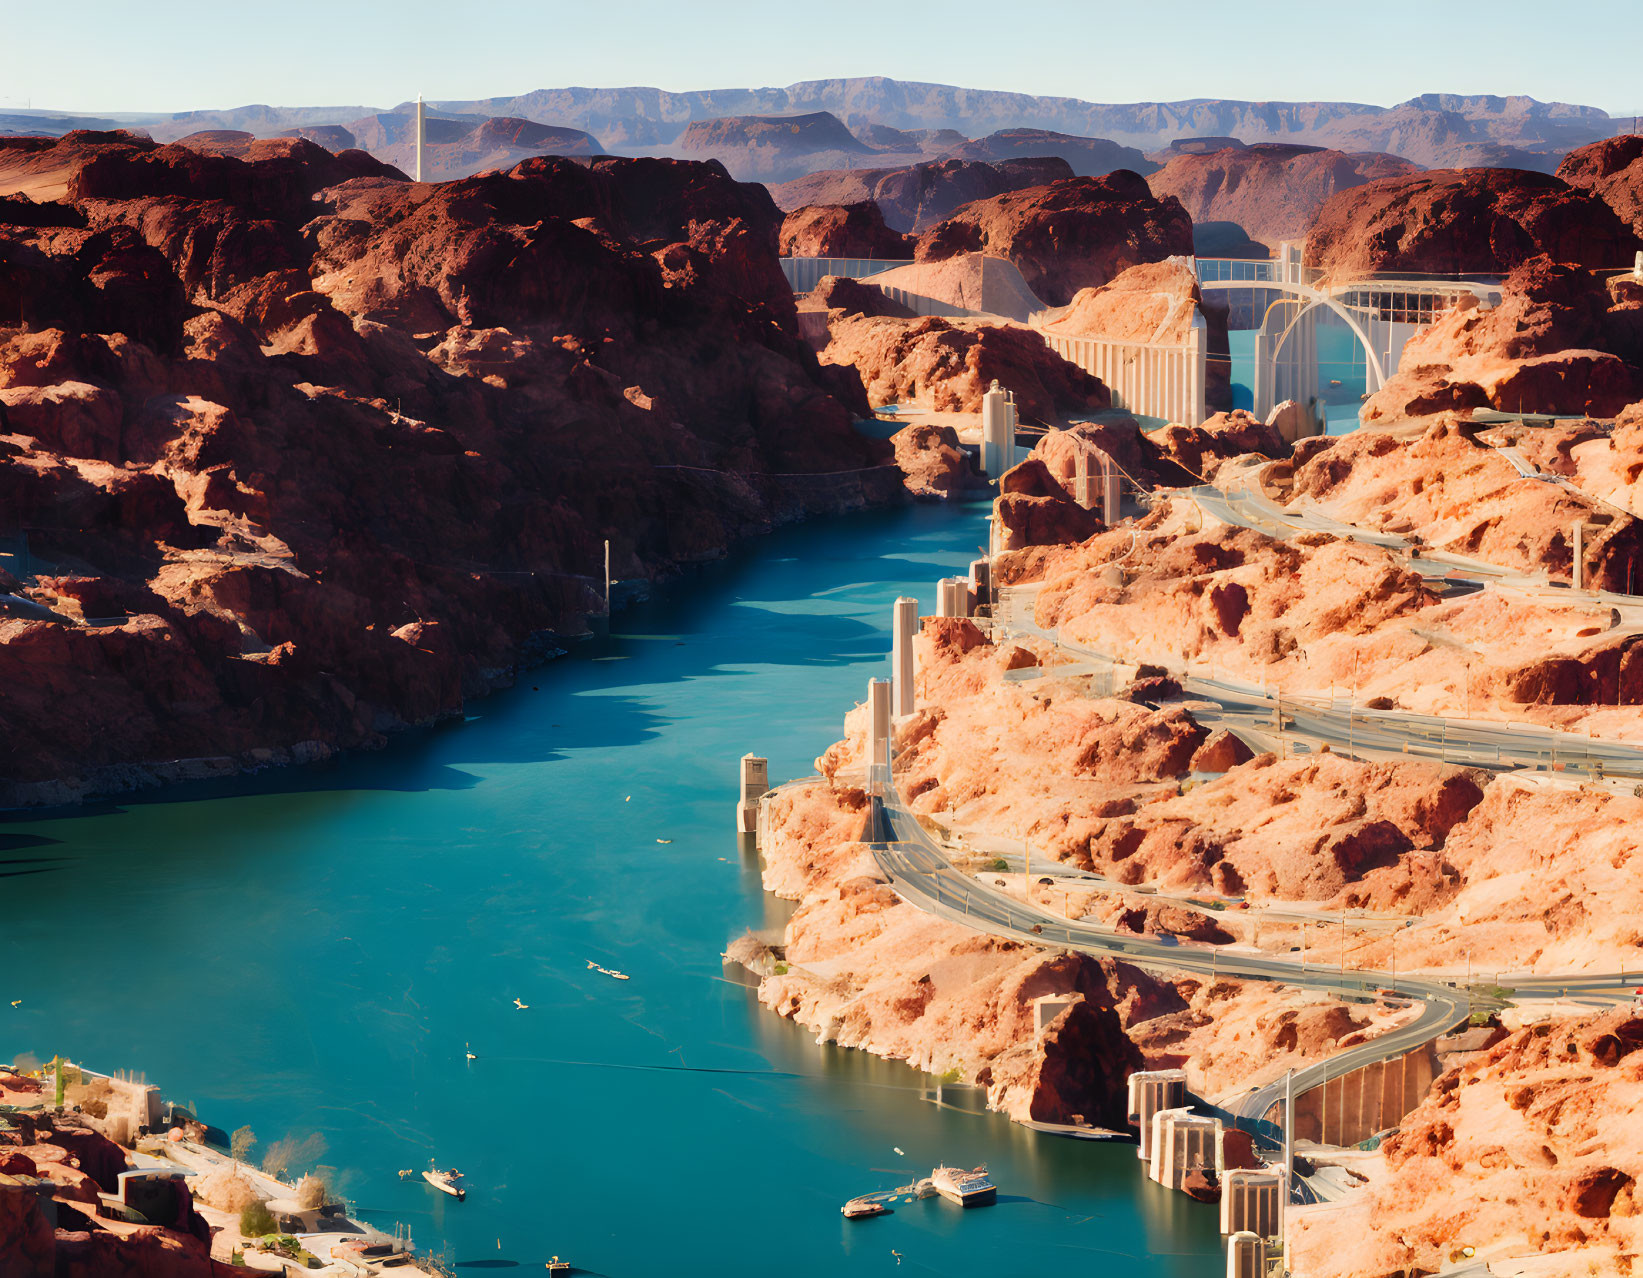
x: 109, y: 55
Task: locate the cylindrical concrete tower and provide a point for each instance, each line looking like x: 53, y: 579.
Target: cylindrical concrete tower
x: 421, y: 135
x: 878, y: 707
x: 904, y: 624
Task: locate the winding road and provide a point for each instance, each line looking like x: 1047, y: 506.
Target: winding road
x: 921, y: 872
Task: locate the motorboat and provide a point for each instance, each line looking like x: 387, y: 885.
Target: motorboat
x: 966, y: 1188
x: 863, y: 1208
x: 449, y: 1182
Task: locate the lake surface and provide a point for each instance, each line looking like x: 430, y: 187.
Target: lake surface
x: 1342, y: 373
x: 310, y: 952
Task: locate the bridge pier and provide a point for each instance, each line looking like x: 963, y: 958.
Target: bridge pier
x: 754, y: 782
x: 878, y: 733
x: 998, y: 422
x: 902, y: 672
x: 1246, y: 1256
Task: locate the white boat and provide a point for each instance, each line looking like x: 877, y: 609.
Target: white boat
x: 449, y: 1182
x: 966, y: 1188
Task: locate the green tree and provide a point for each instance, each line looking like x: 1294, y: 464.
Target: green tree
x: 241, y: 1143
x: 256, y: 1221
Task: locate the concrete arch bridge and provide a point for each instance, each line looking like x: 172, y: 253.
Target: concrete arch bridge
x: 1166, y: 379
x: 1382, y: 312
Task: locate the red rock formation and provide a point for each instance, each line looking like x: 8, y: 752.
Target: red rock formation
x: 345, y: 455
x: 947, y: 365
x: 1069, y: 235
x: 842, y: 230
x: 1526, y: 1148
x: 1612, y: 170
x: 1453, y: 491
x: 1271, y: 191
x: 1199, y: 449
x: 932, y: 460
x: 851, y: 297
x: 1032, y: 509
x: 1561, y: 341
x: 78, y: 1163
x: 1465, y: 220
x: 919, y: 195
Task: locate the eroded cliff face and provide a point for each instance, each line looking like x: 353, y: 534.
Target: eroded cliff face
x: 336, y: 445
x: 987, y: 757
x: 1073, y: 234
x: 1465, y: 220
x: 946, y: 365
x: 77, y: 1164
x: 1613, y: 170
x: 1271, y: 191
x: 1562, y: 340
x: 1529, y: 1147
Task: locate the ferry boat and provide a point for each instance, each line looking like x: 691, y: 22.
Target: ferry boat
x: 966, y: 1188
x: 449, y: 1182
x: 862, y: 1208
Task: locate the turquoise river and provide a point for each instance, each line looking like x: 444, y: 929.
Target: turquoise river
x: 311, y: 950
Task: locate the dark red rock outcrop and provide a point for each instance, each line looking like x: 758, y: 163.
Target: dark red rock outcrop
x: 947, y: 365
x: 850, y: 295
x: 1466, y: 220
x: 1033, y: 509
x: 1069, y: 235
x: 1613, y: 171
x: 932, y: 460
x: 842, y: 230
x: 346, y: 443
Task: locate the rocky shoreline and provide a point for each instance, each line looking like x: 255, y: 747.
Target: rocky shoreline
x: 296, y: 453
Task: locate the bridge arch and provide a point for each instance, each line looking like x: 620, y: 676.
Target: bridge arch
x: 1381, y: 312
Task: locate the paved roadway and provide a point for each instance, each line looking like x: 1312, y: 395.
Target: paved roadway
x: 1251, y: 712
x: 1246, y: 507
x: 922, y: 874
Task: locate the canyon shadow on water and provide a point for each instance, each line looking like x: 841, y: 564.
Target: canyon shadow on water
x: 311, y: 951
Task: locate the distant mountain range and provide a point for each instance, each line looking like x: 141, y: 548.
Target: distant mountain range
x: 775, y: 133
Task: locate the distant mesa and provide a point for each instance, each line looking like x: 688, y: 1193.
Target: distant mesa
x: 1436, y: 130
x: 917, y: 196
x: 1088, y: 157
x: 461, y: 146
x: 881, y: 137
x: 333, y: 137
x: 1194, y: 146
x: 1273, y: 191
x: 913, y: 121
x: 456, y: 147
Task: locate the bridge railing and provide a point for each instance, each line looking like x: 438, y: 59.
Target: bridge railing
x: 1164, y: 380
x: 1236, y: 270
x: 804, y: 273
